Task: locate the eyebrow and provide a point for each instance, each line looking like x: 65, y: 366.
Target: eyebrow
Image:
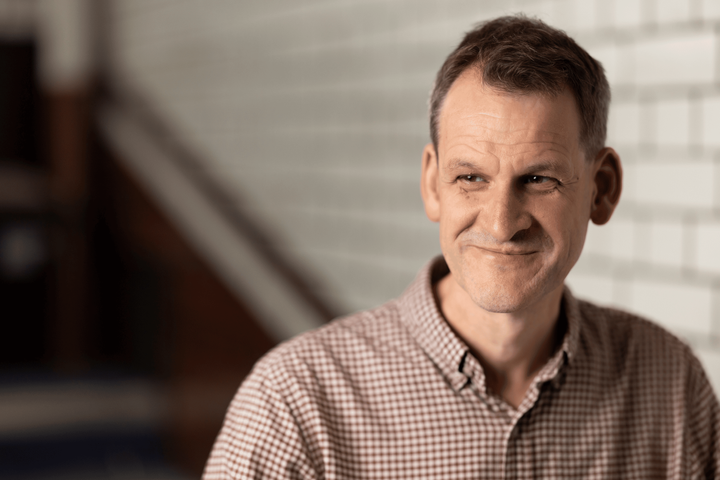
x: 546, y: 165
x: 463, y: 163
x: 543, y: 165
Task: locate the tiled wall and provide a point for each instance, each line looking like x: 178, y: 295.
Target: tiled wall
x: 314, y: 114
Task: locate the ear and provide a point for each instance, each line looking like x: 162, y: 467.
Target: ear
x: 608, y: 185
x: 429, y: 183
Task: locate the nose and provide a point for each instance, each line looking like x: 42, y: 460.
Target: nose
x: 504, y: 214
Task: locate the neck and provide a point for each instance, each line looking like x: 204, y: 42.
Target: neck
x: 511, y: 347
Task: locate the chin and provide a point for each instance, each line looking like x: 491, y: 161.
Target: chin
x: 500, y: 303
x: 497, y: 298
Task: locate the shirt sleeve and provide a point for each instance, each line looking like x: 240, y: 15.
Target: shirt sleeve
x: 260, y: 438
x: 703, y: 424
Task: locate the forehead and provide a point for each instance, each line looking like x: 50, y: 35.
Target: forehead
x: 474, y: 113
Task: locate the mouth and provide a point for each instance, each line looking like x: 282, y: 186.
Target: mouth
x: 507, y: 251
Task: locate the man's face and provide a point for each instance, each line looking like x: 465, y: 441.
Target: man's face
x: 512, y: 191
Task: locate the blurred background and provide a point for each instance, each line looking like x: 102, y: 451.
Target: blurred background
x: 185, y: 183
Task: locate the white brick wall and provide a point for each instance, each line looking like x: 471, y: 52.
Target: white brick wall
x: 673, y: 123
x: 707, y: 257
x: 624, y: 125
x: 663, y: 243
x: 315, y: 113
x: 680, y: 59
x: 599, y: 240
x: 672, y: 11
x: 629, y: 13
x: 711, y: 362
x: 710, y: 9
x: 630, y: 181
x: 586, y: 14
x: 622, y: 239
x: 675, y: 184
x: 711, y: 122
x: 685, y: 309
x: 601, y: 289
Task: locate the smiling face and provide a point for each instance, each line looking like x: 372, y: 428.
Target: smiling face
x: 512, y: 191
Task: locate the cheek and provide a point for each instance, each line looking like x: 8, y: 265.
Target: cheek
x: 576, y: 229
x: 564, y: 223
x: 458, y: 212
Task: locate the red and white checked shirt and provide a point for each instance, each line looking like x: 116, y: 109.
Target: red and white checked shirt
x: 394, y: 393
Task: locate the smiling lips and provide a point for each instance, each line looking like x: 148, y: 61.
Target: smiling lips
x: 508, y: 251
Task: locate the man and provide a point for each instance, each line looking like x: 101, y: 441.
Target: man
x: 487, y: 366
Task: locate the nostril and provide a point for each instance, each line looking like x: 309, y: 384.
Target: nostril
x: 521, y: 236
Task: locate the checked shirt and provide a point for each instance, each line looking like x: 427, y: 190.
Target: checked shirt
x: 394, y: 393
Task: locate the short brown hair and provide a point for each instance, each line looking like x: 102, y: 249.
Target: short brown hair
x: 517, y: 54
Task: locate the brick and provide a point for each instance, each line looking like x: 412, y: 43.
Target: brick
x: 624, y: 124
x: 710, y: 360
x: 628, y: 13
x: 648, y: 123
x: 696, y: 114
x: 672, y: 11
x: 542, y: 9
x: 643, y: 239
x: 562, y: 15
x: 605, y: 14
x: 352, y: 275
x: 665, y: 244
x: 711, y: 122
x: 607, y: 55
x: 710, y: 9
x: 629, y: 189
x: 585, y: 14
x: 622, y: 238
x: 707, y: 253
x: 676, y: 184
x: 683, y: 59
x: 622, y: 294
x: 597, y: 241
x: 624, y: 64
x: 598, y: 289
x: 672, y: 123
x: 679, y: 308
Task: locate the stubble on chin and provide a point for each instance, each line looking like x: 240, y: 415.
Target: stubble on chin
x: 503, y: 291
x: 496, y: 297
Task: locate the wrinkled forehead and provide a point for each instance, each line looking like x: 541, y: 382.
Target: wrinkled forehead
x: 472, y: 107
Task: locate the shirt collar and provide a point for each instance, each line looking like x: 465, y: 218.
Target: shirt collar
x: 574, y: 322
x: 421, y: 315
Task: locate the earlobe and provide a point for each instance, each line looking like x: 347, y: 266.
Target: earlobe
x: 428, y: 183
x: 608, y: 185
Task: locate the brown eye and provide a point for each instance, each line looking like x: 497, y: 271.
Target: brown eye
x: 472, y: 178
x: 538, y: 179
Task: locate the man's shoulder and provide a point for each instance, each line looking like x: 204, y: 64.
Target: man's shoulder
x: 631, y: 342
x: 639, y: 366
x: 279, y: 414
x: 366, y: 337
x: 629, y: 325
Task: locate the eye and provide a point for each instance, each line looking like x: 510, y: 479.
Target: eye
x: 471, y: 178
x: 540, y: 183
x: 537, y: 179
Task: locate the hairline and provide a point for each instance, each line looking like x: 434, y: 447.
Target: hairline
x: 478, y: 67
